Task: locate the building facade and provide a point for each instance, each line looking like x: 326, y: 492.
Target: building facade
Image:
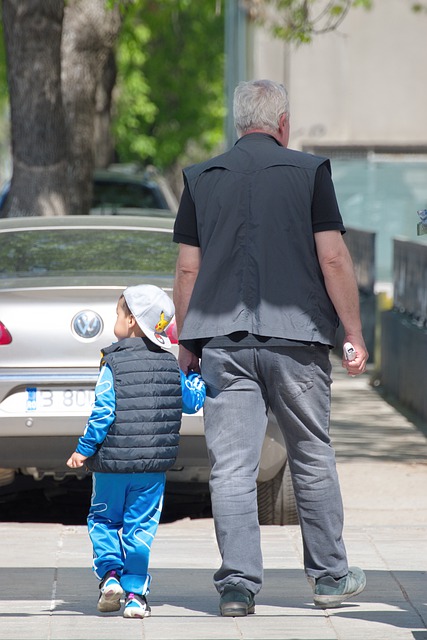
x: 363, y: 85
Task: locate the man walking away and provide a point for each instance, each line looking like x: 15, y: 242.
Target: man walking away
x: 262, y: 277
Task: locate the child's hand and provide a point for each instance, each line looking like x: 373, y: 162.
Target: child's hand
x: 76, y: 460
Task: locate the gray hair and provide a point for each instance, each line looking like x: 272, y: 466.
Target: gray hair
x: 258, y: 104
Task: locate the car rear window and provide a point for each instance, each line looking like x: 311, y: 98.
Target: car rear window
x: 128, y: 195
x: 58, y: 252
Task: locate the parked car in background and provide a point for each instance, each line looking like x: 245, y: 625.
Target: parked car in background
x: 125, y: 187
x: 60, y: 279
x: 124, y: 190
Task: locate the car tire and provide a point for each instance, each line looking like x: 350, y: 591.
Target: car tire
x: 276, y: 499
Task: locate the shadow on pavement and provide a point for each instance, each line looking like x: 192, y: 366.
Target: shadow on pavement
x: 384, y: 600
x: 67, y: 501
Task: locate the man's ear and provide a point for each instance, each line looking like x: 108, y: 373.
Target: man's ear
x: 283, y: 120
x: 284, y: 129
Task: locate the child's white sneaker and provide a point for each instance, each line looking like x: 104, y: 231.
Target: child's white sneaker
x: 110, y: 592
x: 136, y: 606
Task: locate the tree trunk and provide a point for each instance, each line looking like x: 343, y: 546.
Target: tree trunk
x: 32, y: 32
x: 90, y: 32
x: 56, y: 60
x: 104, y: 145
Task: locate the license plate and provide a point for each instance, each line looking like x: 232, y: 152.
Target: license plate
x: 43, y: 400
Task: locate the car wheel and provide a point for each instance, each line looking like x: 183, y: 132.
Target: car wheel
x: 276, y: 499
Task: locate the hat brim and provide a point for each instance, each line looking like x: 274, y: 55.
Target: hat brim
x: 159, y: 339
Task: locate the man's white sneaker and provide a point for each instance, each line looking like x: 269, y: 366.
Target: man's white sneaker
x: 136, y: 606
x: 110, y: 593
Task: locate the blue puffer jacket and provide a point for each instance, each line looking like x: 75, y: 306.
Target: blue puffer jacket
x: 144, y: 436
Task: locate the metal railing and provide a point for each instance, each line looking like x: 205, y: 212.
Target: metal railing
x: 361, y: 245
x: 410, y: 280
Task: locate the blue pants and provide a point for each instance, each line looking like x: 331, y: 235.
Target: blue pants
x: 242, y: 384
x: 122, y: 522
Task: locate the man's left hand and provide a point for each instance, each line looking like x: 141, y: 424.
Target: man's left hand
x: 187, y: 360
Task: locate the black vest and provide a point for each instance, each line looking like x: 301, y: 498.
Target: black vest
x: 259, y: 271
x: 144, y: 436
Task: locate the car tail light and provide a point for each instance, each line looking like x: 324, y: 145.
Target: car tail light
x: 171, y: 332
x: 5, y: 337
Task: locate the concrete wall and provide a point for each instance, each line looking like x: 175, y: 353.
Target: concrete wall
x: 364, y: 84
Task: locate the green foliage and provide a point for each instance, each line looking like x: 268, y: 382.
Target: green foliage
x: 4, y: 112
x: 298, y: 21
x: 366, y: 4
x: 134, y: 103
x: 170, y: 93
x: 419, y: 7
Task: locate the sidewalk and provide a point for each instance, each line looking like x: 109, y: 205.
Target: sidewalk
x: 47, y: 591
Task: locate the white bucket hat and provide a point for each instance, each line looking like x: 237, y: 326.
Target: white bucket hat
x: 152, y: 309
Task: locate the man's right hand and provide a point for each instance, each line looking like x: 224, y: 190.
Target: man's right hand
x: 187, y: 360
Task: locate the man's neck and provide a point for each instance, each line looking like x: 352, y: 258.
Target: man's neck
x: 266, y: 133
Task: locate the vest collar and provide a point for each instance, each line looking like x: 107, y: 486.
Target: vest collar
x: 256, y: 135
x: 141, y: 344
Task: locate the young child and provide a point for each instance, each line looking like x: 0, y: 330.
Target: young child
x: 130, y: 440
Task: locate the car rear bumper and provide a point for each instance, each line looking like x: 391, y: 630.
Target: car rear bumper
x: 28, y: 426
x: 47, y: 455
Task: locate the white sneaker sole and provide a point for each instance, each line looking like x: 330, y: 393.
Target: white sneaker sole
x: 110, y: 599
x: 136, y: 612
x: 329, y: 602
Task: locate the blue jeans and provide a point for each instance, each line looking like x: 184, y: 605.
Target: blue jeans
x: 122, y: 522
x: 294, y: 382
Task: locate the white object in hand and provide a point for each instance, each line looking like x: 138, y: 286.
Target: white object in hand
x: 349, y: 351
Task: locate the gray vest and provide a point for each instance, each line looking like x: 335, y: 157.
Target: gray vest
x: 144, y: 436
x: 259, y: 270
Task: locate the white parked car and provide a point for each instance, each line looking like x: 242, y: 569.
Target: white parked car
x: 60, y: 279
